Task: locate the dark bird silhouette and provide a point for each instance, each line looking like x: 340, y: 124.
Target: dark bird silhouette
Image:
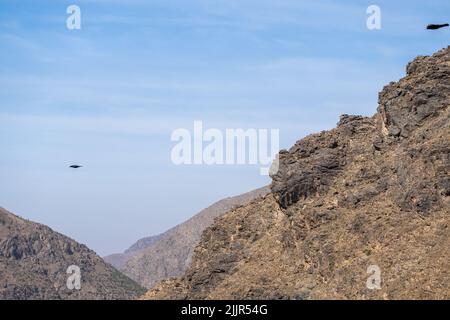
x: 436, y: 26
x: 75, y: 166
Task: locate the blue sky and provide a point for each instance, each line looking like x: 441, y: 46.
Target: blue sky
x: 109, y: 95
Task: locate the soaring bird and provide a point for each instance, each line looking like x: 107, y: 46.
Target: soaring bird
x: 436, y: 26
x: 75, y: 166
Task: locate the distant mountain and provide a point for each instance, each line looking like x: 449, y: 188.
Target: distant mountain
x: 156, y: 258
x: 34, y: 261
x: 143, y: 243
x: 118, y: 260
x: 361, y: 211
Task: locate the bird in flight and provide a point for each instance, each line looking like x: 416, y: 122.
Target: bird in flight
x: 75, y: 166
x: 436, y: 26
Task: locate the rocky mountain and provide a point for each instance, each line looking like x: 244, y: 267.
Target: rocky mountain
x: 358, y: 212
x: 153, y: 259
x: 34, y: 261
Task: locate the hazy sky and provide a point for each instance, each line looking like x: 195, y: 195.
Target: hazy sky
x: 108, y: 97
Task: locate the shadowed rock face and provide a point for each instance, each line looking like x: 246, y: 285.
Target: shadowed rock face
x: 313, y: 163
x: 372, y: 191
x: 34, y: 260
x: 153, y: 259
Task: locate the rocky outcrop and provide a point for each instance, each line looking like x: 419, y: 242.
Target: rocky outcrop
x: 34, y: 261
x: 405, y: 105
x: 371, y: 194
x: 153, y: 259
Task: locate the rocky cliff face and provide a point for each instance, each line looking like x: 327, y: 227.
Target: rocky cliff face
x: 34, y: 261
x: 153, y: 259
x: 371, y: 194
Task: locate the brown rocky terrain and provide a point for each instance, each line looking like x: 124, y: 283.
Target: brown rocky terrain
x: 34, y: 260
x: 153, y: 259
x: 374, y: 191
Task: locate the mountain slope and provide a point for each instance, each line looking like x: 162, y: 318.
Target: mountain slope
x: 371, y: 194
x: 169, y: 254
x: 34, y: 260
